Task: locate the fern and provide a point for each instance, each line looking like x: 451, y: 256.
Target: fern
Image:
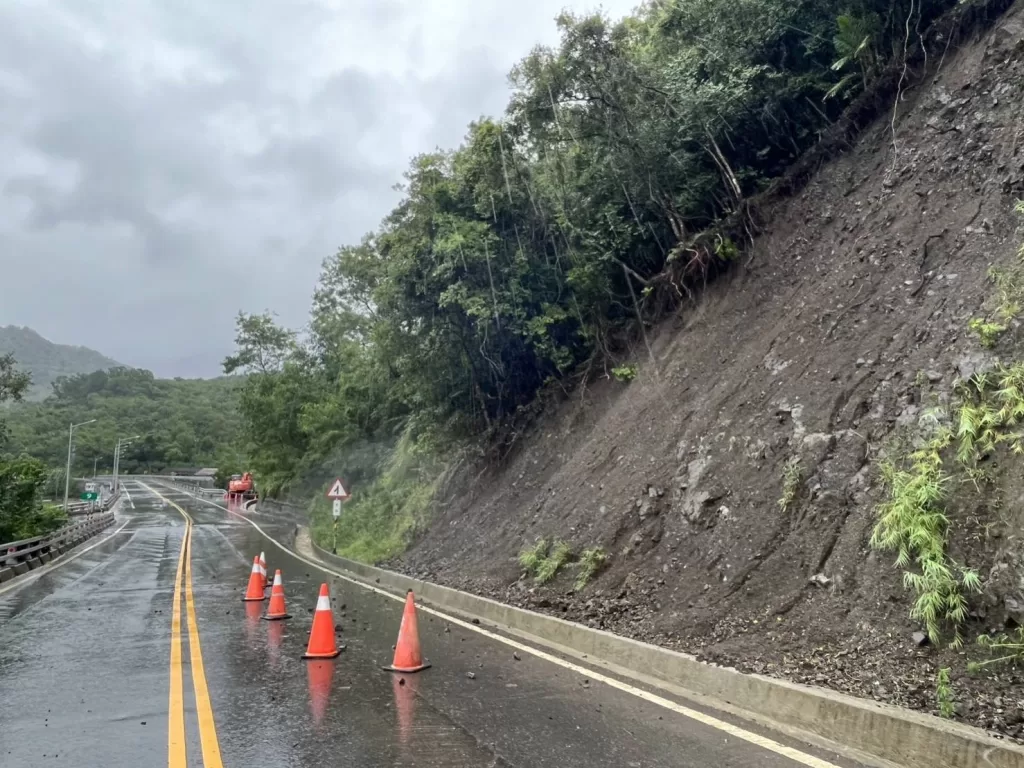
x: 531, y: 558
x: 591, y: 561
x: 544, y: 560
x: 988, y: 333
x: 625, y: 372
x: 792, y: 473
x: 561, y: 554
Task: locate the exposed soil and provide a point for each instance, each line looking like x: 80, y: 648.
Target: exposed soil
x: 849, y: 317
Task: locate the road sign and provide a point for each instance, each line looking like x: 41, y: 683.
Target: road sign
x: 337, y: 508
x: 338, y: 492
x: 89, y: 496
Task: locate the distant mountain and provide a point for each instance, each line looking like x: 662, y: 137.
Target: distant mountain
x: 47, y: 361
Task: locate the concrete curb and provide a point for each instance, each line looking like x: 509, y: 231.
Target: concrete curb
x: 879, y: 731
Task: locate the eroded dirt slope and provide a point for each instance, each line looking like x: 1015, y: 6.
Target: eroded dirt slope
x: 850, y: 315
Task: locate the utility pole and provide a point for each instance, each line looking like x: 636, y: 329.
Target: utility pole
x: 67, y: 473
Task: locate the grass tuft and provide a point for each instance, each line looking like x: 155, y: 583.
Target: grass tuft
x: 792, y: 474
x: 591, y: 561
x: 944, y: 693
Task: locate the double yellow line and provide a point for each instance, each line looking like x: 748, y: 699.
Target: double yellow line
x: 176, y: 748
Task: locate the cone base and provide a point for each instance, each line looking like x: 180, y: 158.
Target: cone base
x: 406, y: 670
x: 314, y: 656
x: 278, y: 617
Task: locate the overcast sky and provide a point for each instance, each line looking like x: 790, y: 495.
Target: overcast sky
x: 166, y: 164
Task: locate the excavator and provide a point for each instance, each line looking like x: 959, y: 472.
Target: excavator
x: 242, y: 486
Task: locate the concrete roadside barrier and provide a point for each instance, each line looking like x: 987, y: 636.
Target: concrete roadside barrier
x: 878, y: 731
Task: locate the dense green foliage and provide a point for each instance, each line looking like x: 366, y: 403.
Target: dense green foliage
x: 181, y: 423
x: 545, y: 242
x: 987, y: 415
x: 46, y: 361
x: 22, y: 513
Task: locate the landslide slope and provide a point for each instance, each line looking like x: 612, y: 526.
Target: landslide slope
x: 846, y: 319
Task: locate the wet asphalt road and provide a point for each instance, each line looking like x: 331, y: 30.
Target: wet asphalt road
x: 85, y: 675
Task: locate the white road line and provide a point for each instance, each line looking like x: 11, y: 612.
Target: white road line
x: 721, y: 725
x: 124, y: 487
x: 33, y: 575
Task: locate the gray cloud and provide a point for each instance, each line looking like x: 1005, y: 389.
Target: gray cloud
x: 169, y: 164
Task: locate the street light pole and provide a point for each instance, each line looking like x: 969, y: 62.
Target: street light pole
x: 67, y: 471
x: 121, y: 443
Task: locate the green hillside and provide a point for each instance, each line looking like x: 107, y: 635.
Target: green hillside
x: 181, y: 422
x: 47, y: 361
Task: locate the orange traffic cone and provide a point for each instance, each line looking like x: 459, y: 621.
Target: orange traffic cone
x: 263, y: 570
x: 276, y: 610
x: 407, y: 650
x: 322, y: 644
x: 255, y: 590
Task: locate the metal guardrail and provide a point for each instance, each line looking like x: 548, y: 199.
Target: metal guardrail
x: 201, y: 491
x: 19, y: 557
x: 90, y: 507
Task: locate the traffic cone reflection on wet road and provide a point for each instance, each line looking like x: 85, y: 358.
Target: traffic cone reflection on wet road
x: 276, y: 610
x: 252, y: 620
x: 255, y: 590
x: 322, y: 644
x: 405, y: 705
x: 275, y: 637
x: 407, y: 649
x: 263, y: 570
x: 320, y: 674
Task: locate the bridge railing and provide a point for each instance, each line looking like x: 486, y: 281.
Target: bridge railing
x: 19, y: 557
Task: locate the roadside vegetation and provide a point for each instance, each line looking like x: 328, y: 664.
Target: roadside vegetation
x: 792, y: 474
x: 591, y: 562
x: 22, y: 478
x: 544, y: 560
x: 987, y: 415
x: 620, y: 179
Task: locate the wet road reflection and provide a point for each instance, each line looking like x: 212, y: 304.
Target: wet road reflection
x: 83, y: 670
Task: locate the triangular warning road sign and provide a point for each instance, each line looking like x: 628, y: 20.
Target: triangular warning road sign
x: 337, y: 491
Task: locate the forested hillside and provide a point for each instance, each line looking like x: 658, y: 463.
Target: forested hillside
x: 179, y: 421
x: 628, y: 170
x: 46, y: 361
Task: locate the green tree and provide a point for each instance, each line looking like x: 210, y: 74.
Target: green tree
x: 539, y: 249
x: 21, y: 478
x: 22, y: 514
x: 13, y: 383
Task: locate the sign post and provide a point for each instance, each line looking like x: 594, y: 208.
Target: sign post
x: 338, y: 495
